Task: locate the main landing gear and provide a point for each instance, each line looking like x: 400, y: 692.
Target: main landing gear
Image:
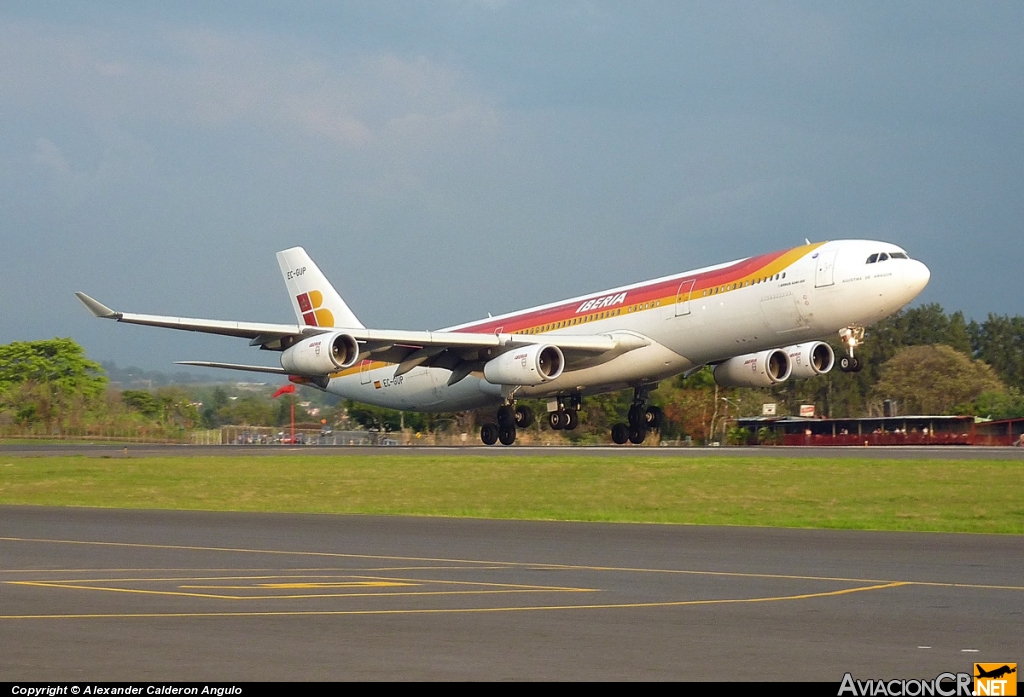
x: 510, y: 417
x: 566, y: 417
x: 852, y: 337
x: 642, y: 418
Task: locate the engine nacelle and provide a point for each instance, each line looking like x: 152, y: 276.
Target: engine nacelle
x: 529, y: 365
x: 811, y: 359
x: 762, y: 369
x: 321, y: 355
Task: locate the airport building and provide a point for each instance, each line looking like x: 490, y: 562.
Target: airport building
x: 883, y: 430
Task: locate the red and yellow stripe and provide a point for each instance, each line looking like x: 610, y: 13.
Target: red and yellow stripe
x: 742, y: 274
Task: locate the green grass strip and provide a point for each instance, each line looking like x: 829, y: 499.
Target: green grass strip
x: 936, y: 495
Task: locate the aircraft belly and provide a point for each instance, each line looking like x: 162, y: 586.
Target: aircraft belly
x: 421, y: 389
x: 641, y: 366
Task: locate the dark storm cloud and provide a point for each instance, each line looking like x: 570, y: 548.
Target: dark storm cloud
x: 443, y: 160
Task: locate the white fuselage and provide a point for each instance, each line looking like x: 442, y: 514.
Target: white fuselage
x: 689, y: 319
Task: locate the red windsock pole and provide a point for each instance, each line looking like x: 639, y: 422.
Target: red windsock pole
x: 288, y: 389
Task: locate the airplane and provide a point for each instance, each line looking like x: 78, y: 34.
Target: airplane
x: 995, y: 673
x: 758, y: 321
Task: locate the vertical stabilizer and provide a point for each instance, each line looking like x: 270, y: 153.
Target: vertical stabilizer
x: 314, y: 299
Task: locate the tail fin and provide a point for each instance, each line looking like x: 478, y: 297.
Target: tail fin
x: 314, y: 299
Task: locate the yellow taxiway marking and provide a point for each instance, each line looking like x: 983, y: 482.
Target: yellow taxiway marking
x: 439, y: 611
x: 360, y: 580
x: 303, y: 569
x: 293, y: 582
x: 301, y: 596
x: 505, y: 564
x: 298, y: 586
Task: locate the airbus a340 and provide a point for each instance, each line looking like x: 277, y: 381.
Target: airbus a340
x: 758, y: 321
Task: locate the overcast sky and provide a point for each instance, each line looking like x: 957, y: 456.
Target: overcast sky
x: 442, y: 160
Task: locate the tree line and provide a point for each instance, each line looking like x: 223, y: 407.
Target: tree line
x: 920, y: 360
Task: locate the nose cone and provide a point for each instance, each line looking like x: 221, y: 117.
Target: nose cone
x: 916, y: 276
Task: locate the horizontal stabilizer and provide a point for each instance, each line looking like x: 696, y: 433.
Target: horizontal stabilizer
x: 235, y: 366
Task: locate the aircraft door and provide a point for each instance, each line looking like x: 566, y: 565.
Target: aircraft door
x: 683, y: 297
x: 824, y: 275
x: 364, y: 372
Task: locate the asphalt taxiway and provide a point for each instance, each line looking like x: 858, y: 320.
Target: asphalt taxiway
x: 170, y: 595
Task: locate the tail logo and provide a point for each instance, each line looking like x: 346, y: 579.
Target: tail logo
x: 312, y: 314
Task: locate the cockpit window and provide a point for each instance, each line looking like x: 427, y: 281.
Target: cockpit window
x: 872, y: 259
x: 883, y: 257
x: 898, y: 255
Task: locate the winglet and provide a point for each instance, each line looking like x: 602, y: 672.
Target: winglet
x: 97, y: 308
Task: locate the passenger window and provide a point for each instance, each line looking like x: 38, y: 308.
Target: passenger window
x: 872, y: 259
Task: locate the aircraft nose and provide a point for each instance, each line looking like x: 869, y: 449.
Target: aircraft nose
x: 916, y: 275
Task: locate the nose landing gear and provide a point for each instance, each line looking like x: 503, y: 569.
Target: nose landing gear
x: 852, y: 337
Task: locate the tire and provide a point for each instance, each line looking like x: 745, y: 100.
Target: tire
x: 524, y: 417
x: 620, y: 434
x: 572, y: 420
x: 846, y: 364
x: 655, y: 418
x: 507, y: 434
x: 637, y: 415
x: 489, y: 434
x: 857, y: 366
x: 506, y: 415
x: 556, y: 419
x: 637, y: 434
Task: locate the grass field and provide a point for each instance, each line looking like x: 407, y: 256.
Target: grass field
x: 939, y: 495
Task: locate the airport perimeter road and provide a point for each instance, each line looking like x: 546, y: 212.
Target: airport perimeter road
x: 934, y: 452
x: 155, y: 595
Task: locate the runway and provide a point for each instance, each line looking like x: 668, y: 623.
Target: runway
x: 156, y: 595
x: 937, y: 452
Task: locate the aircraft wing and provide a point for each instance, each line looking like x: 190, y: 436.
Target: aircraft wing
x: 464, y: 353
x: 259, y: 333
x: 460, y: 352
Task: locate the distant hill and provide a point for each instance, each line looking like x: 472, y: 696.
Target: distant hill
x: 133, y: 377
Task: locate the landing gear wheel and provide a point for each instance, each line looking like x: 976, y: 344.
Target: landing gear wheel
x: 637, y: 434
x: 655, y: 417
x: 572, y: 420
x: 637, y: 415
x: 507, y: 434
x: 489, y: 434
x: 850, y: 364
x: 524, y: 417
x: 620, y: 434
x: 558, y: 420
x: 506, y: 415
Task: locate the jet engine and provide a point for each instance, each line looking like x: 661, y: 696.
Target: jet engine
x: 811, y: 359
x: 529, y: 365
x: 321, y: 355
x: 762, y: 369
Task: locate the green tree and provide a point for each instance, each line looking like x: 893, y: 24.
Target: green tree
x: 999, y: 341
x: 371, y: 417
x: 49, y: 381
x: 934, y: 380
x: 142, y: 402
